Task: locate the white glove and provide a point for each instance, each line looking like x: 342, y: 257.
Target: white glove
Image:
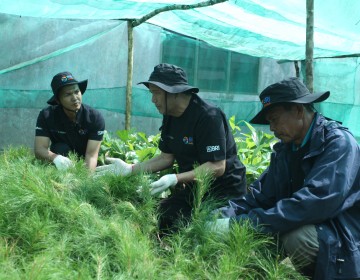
x: 117, y: 167
x: 219, y: 225
x: 163, y: 183
x: 62, y: 163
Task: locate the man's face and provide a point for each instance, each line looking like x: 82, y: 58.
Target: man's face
x: 70, y: 97
x: 287, y: 125
x: 158, y: 98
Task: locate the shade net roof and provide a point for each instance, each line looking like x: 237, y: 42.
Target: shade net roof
x: 230, y: 50
x: 238, y: 25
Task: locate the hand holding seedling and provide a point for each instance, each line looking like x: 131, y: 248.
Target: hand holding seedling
x: 163, y: 183
x: 116, y: 166
x: 62, y: 163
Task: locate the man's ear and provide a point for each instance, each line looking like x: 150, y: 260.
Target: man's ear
x: 300, y: 109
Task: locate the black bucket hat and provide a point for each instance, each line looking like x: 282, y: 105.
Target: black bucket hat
x: 170, y: 78
x: 64, y: 79
x: 291, y: 90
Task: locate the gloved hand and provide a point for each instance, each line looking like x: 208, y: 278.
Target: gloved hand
x: 219, y: 225
x: 62, y: 163
x: 117, y: 167
x: 163, y: 183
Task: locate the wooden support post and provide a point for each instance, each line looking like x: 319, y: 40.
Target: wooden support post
x: 130, y: 65
x: 309, y: 78
x: 297, y: 69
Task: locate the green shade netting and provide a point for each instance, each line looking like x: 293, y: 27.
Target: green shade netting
x: 242, y: 26
x: 41, y: 38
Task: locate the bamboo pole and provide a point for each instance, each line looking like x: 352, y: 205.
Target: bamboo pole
x: 309, y: 78
x: 130, y: 66
x: 297, y: 69
x: 176, y: 7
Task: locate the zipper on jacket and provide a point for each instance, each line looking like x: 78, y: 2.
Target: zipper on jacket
x: 339, y: 263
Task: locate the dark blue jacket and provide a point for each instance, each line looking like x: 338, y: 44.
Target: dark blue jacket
x: 329, y: 198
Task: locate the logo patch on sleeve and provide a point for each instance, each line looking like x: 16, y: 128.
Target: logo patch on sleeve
x: 188, y: 140
x: 210, y: 149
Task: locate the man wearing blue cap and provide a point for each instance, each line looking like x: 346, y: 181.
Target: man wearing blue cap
x: 68, y: 125
x: 197, y: 136
x: 310, y: 194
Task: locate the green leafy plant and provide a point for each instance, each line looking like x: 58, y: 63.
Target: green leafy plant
x: 254, y: 148
x: 130, y: 146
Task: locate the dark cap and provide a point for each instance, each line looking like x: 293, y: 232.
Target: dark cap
x: 64, y: 79
x: 291, y: 90
x: 170, y: 78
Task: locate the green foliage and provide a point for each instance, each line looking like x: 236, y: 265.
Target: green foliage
x: 254, y: 148
x: 73, y: 225
x: 130, y: 146
x: 67, y: 225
